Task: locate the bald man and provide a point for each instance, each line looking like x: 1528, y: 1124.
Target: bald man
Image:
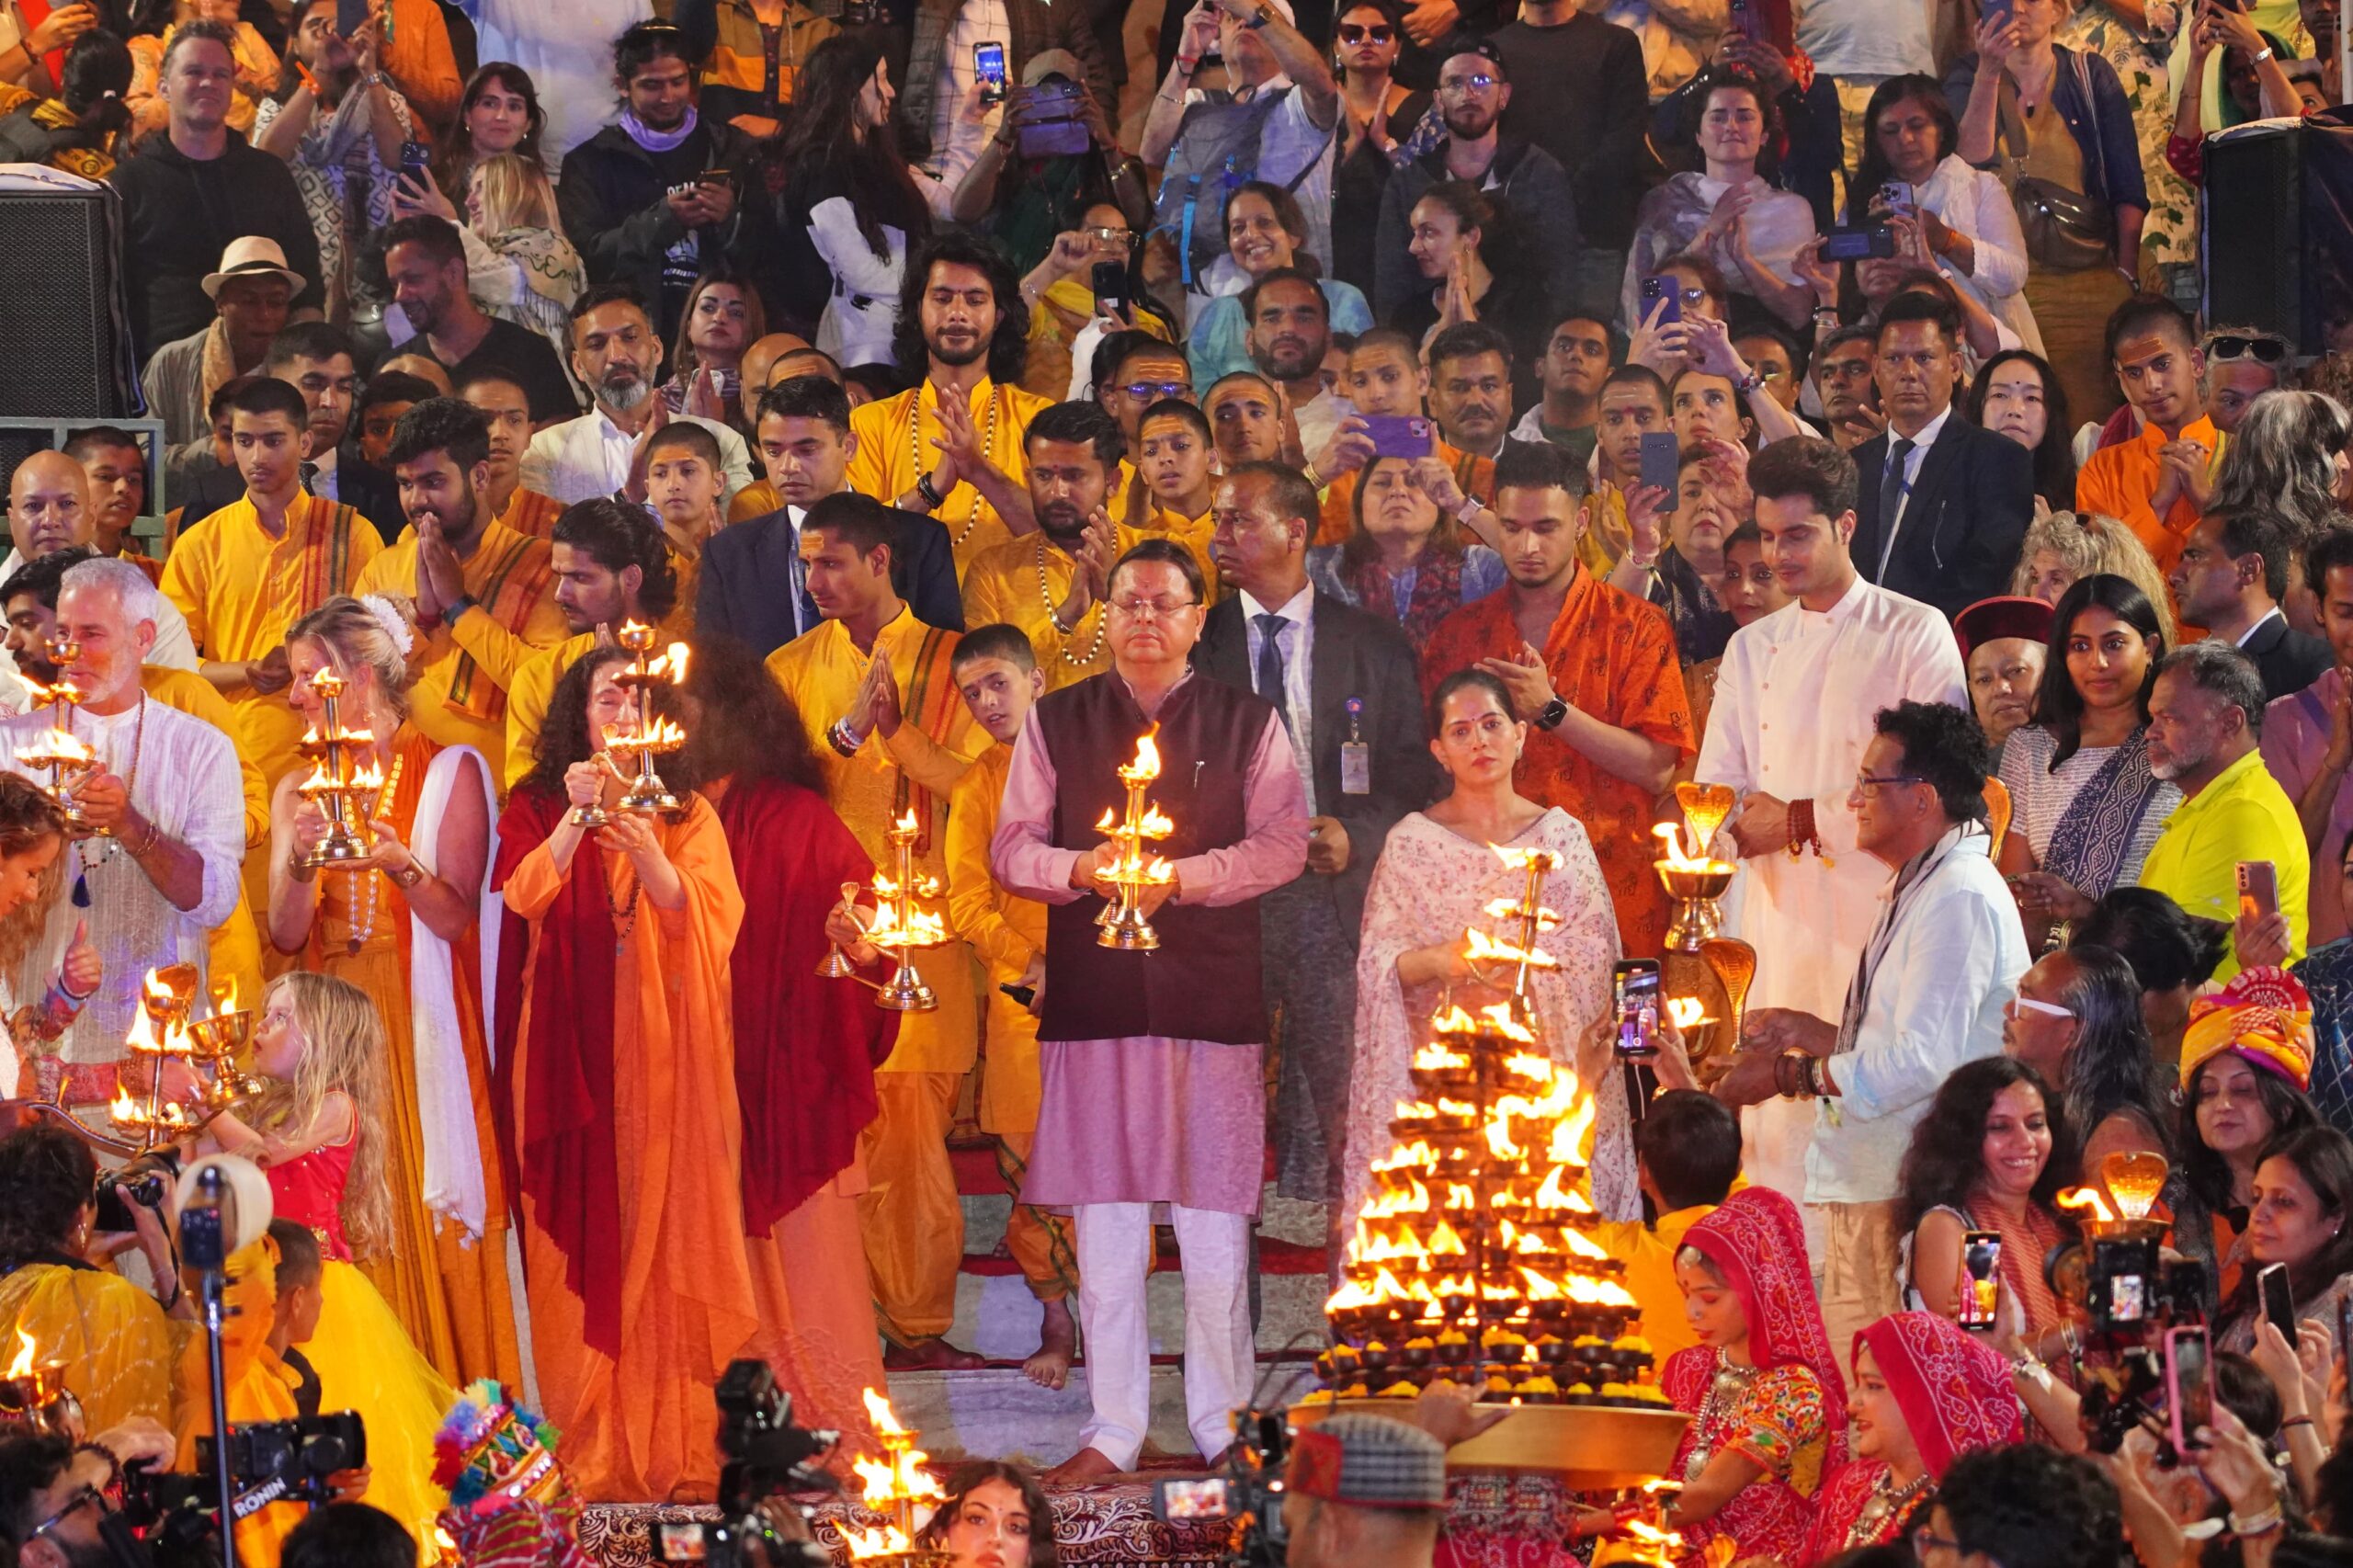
x: 49, y: 510
x: 760, y: 358
x: 423, y: 368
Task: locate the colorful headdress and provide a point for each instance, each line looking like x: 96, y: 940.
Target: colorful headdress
x: 493, y: 1452
x: 2263, y: 1014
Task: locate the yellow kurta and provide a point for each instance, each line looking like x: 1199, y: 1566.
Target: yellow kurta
x: 821, y: 671
x: 240, y: 590
x: 890, y: 456
x: 530, y: 514
x: 501, y: 557
x: 1023, y: 582
x: 234, y: 945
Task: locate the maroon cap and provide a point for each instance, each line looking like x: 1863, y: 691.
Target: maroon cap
x: 2009, y: 616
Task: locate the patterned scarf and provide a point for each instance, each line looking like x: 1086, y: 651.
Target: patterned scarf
x: 2095, y: 832
x: 932, y: 703
x: 1756, y: 1241
x: 1434, y: 590
x: 1954, y: 1391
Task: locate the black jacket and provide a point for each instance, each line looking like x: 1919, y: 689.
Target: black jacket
x: 614, y: 212
x: 1522, y: 177
x: 1959, y: 534
x: 2286, y: 659
x: 1355, y: 655
x: 179, y: 214
x: 746, y: 587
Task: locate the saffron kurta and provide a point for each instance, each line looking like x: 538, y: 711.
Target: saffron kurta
x: 458, y: 698
x: 448, y: 1288
x: 628, y: 1138
x: 117, y: 1345
x: 1024, y: 581
x: 894, y: 449
x: 1610, y: 655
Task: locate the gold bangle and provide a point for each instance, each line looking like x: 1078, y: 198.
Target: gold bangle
x: 297, y: 870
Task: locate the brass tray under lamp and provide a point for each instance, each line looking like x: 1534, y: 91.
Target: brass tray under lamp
x: 1590, y: 1448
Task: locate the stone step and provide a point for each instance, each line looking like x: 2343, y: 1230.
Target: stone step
x: 995, y: 1412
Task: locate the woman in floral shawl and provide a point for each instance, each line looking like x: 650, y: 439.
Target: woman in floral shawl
x: 1926, y: 1392
x: 1762, y: 1386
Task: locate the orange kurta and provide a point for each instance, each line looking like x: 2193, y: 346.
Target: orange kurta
x: 2120, y: 481
x: 530, y: 514
x: 1612, y: 656
x: 637, y: 1424
x: 448, y: 1291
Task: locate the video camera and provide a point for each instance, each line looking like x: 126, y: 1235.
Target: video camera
x: 172, y: 1520
x: 2150, y: 1311
x: 1248, y: 1496
x: 768, y: 1456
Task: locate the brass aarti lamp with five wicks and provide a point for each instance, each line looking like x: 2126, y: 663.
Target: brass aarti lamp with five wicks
x: 629, y: 758
x: 900, y: 928
x: 1123, y: 924
x: 60, y: 753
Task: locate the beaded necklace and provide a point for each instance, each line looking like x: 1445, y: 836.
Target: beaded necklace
x: 1053, y: 615
x: 915, y: 458
x: 1887, y: 1501
x: 1725, y: 1387
x: 624, y: 915
x: 361, y: 931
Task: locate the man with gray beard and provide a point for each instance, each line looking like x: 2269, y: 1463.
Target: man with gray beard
x: 616, y: 356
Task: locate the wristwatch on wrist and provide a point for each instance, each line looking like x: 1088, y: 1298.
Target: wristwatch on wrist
x: 1554, y: 711
x: 456, y: 609
x: 411, y: 874
x: 1748, y: 384
x: 1266, y: 14
x: 929, y: 492
x: 1468, y: 510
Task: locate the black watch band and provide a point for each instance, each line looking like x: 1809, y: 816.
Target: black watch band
x: 1554, y: 711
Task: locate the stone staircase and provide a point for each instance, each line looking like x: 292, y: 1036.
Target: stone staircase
x: 995, y: 1412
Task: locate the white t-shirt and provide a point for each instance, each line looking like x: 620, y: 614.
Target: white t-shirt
x: 1867, y: 38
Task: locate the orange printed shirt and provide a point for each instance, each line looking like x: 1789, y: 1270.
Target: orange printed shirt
x: 1612, y: 656
x: 2120, y: 481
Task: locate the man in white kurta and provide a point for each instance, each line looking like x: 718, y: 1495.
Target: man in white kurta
x: 1795, y: 700
x: 169, y: 792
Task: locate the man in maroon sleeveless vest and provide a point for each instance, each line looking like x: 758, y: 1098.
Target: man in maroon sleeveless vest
x: 1149, y: 1062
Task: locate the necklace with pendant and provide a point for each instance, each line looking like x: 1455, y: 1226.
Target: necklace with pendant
x: 1725, y: 1387
x: 1886, y: 1502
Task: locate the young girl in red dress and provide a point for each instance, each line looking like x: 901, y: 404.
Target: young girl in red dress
x: 318, y: 1133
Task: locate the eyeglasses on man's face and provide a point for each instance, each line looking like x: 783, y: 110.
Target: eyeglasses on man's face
x: 1868, y: 781
x: 1150, y: 610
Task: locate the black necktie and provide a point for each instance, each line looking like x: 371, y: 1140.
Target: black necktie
x: 1270, y: 664
x: 1891, y: 497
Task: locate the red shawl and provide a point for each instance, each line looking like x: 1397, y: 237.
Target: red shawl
x: 1954, y: 1390
x: 568, y: 1172
x: 805, y: 1048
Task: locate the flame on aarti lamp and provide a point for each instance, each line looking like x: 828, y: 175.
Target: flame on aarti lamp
x: 1146, y: 766
x: 1689, y: 1012
x: 23, y: 1364
x: 2088, y: 1198
x: 885, y: 1540
x: 1478, y: 946
x: 1670, y: 838
x: 123, y: 1110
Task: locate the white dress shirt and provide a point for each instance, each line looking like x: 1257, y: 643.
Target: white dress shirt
x: 589, y: 456
x: 1947, y: 967
x: 184, y: 777
x: 1296, y: 642
x: 1911, y: 461
x: 1795, y: 700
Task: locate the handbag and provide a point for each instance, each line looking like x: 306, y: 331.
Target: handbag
x: 2065, y: 231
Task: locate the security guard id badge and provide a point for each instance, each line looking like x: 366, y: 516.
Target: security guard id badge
x: 1356, y: 758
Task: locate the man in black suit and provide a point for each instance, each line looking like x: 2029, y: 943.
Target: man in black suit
x: 1944, y: 504
x: 2233, y: 567
x: 1349, y: 691
x: 318, y: 360
x: 752, y: 586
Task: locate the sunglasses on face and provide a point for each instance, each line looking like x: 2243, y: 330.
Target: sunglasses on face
x: 1379, y: 32
x: 2263, y: 349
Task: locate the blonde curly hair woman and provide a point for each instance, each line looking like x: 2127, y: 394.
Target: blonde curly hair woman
x: 2065, y: 547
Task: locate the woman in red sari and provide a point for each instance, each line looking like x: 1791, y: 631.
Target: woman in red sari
x: 805, y: 1047
x: 1926, y: 1392
x: 1762, y: 1385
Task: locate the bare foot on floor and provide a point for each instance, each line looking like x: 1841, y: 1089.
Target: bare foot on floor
x: 1084, y: 1467
x: 929, y: 1356
x: 1057, y: 1343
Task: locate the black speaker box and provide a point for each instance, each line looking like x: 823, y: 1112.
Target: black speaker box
x: 2275, y: 227
x: 63, y: 314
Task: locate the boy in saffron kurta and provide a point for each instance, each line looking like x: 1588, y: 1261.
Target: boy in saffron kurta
x: 1593, y: 672
x: 873, y: 688
x: 625, y: 1121
x: 1000, y: 679
x: 482, y: 594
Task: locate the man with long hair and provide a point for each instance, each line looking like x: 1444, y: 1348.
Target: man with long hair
x: 952, y: 446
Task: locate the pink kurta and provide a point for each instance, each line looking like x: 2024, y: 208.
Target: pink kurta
x: 1147, y: 1118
